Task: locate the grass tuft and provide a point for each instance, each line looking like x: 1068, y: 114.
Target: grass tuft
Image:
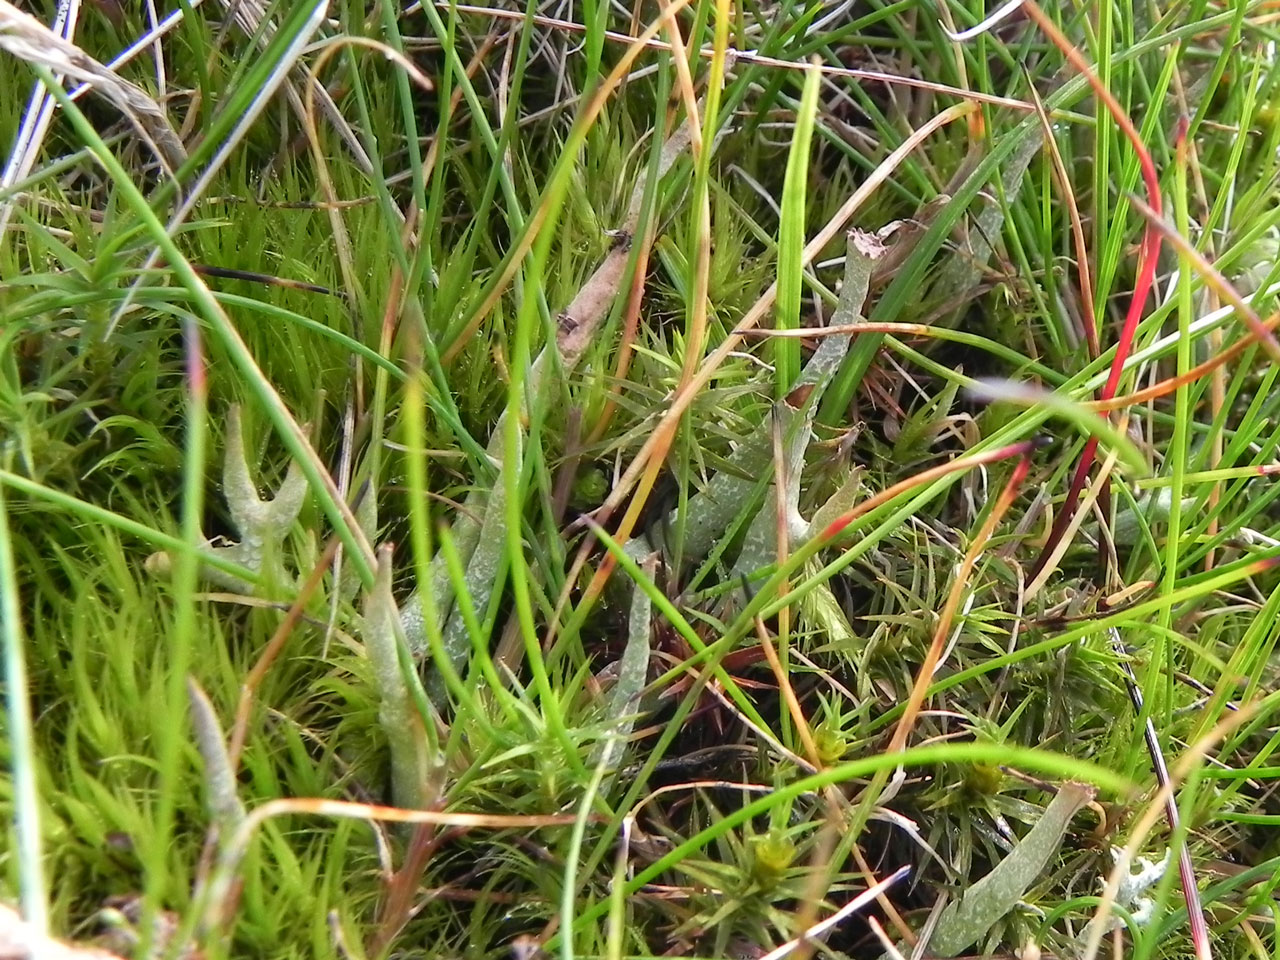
x: 702, y: 480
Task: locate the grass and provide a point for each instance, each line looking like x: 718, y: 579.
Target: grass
x: 508, y: 511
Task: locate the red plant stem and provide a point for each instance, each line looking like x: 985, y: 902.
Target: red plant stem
x: 1150, y: 254
x: 1146, y: 275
